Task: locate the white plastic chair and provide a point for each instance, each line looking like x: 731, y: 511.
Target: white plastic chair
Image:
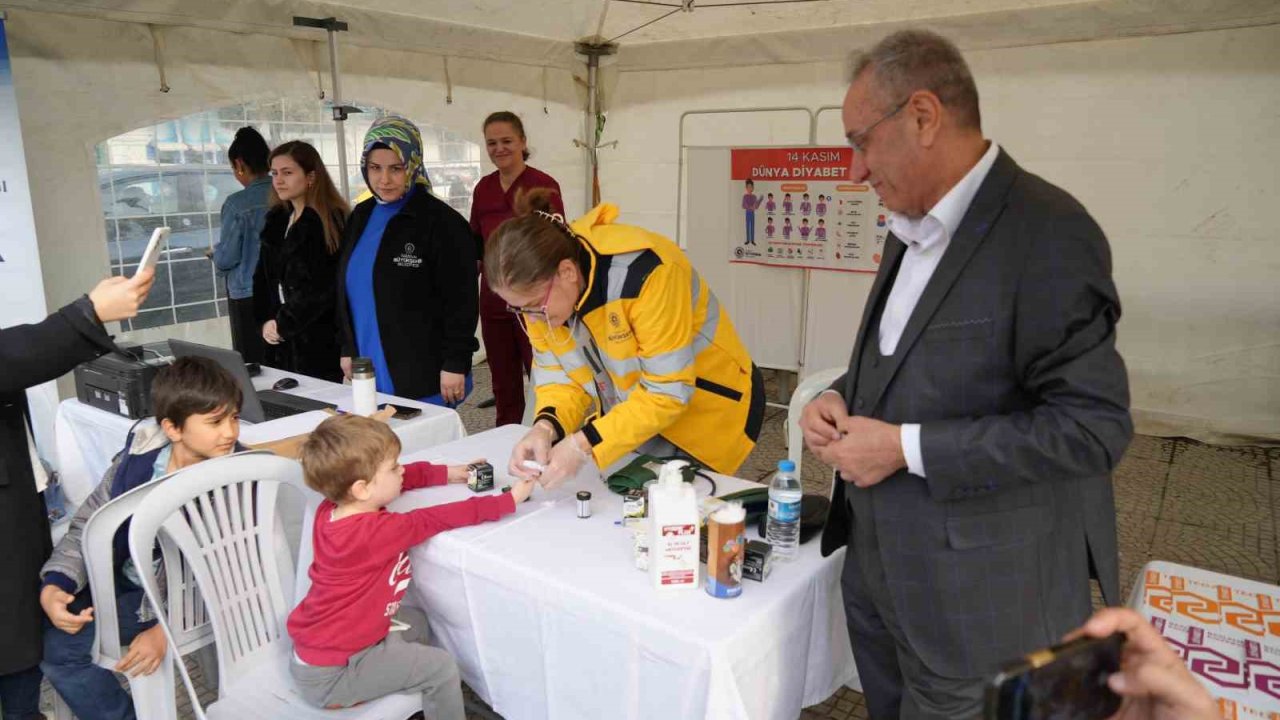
x: 153, y: 695
x: 805, y: 391
x: 221, y: 517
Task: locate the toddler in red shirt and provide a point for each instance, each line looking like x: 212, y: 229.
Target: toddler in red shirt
x: 353, y: 641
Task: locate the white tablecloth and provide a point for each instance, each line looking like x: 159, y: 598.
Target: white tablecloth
x: 87, y: 438
x: 548, y: 617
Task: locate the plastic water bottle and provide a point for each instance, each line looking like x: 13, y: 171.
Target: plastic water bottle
x: 783, y: 527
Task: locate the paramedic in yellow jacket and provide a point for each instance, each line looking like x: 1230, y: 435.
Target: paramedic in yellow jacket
x: 631, y: 349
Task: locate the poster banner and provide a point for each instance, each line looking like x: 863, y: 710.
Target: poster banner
x: 23, y: 295
x: 795, y: 207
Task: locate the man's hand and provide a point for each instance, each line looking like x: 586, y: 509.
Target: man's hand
x: 345, y: 364
x: 55, y: 600
x: 869, y: 452
x: 118, y: 298
x: 145, y: 654
x: 453, y: 386
x: 820, y: 420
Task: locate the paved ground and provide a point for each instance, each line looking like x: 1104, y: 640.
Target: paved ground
x: 1176, y: 500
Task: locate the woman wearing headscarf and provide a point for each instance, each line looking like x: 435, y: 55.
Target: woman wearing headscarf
x: 407, y: 295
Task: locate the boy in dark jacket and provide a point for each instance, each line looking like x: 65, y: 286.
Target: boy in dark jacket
x: 197, y: 408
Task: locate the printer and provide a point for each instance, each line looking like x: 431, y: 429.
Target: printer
x: 120, y: 382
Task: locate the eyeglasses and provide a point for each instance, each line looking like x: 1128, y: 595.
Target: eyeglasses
x: 523, y: 314
x: 858, y: 141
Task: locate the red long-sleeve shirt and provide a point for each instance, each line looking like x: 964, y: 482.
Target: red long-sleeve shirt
x: 361, y: 568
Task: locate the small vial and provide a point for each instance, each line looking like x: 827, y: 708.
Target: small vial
x: 584, y: 504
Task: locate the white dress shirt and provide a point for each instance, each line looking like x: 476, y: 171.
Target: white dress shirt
x: 927, y: 239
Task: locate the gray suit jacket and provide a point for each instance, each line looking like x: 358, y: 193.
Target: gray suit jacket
x: 1009, y: 364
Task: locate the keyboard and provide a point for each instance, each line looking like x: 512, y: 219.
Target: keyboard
x: 276, y: 404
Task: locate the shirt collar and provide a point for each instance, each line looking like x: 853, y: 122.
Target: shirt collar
x: 949, y: 211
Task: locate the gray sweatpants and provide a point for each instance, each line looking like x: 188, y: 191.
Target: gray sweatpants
x: 401, y: 663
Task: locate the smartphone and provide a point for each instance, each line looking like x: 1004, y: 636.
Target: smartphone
x: 1064, y: 682
x: 151, y: 255
x: 404, y: 412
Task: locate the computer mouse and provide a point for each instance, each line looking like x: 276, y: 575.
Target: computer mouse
x: 285, y: 384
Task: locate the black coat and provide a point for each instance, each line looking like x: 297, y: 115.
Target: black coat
x: 427, y: 295
x: 31, y: 355
x: 294, y: 263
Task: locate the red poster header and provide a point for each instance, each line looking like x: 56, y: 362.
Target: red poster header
x: 791, y: 164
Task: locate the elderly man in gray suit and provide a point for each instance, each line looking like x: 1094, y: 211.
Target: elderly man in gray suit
x: 984, y: 406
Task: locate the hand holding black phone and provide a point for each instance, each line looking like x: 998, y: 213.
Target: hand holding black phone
x: 1064, y: 682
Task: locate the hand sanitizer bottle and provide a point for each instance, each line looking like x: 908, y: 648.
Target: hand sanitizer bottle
x: 673, y: 531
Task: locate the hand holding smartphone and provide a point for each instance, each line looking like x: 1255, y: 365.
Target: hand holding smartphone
x: 151, y: 255
x: 1064, y: 682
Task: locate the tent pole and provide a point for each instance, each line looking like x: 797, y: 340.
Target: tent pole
x: 593, y: 50
x: 333, y: 26
x: 593, y: 157
x: 339, y: 118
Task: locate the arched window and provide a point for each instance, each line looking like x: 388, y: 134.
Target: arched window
x: 176, y: 173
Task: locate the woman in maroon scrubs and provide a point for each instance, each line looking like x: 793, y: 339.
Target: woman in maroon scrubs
x: 493, y: 202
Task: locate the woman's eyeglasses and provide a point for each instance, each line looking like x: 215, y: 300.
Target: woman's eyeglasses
x: 535, y: 313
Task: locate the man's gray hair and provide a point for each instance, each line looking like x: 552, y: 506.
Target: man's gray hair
x: 911, y: 60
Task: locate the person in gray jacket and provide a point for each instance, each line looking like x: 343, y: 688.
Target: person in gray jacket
x: 197, y: 408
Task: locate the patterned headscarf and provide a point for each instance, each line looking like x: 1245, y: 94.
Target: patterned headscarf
x: 402, y: 138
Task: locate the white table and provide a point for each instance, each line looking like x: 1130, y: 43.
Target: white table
x: 548, y: 617
x: 87, y: 438
x: 1226, y: 629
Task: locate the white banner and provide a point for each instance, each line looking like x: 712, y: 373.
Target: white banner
x: 20, y: 278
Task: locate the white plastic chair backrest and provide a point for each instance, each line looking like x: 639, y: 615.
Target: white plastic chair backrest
x: 805, y: 391
x: 221, y: 517
x: 306, y: 548
x: 98, y: 548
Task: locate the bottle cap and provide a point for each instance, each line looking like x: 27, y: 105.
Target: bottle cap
x: 584, y: 495
x: 361, y: 365
x: 786, y: 466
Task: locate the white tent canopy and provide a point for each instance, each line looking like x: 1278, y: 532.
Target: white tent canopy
x: 1161, y: 118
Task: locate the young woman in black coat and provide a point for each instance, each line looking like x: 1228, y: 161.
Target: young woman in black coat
x: 293, y: 288
x: 31, y: 355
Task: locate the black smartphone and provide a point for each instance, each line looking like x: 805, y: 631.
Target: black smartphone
x: 1064, y: 682
x: 404, y: 412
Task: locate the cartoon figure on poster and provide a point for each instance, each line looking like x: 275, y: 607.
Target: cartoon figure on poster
x: 786, y: 204
x: 769, y: 228
x: 805, y: 230
x: 806, y: 207
x: 750, y: 201
x: 786, y: 228
x: 821, y: 208
x: 820, y: 233
x: 770, y: 206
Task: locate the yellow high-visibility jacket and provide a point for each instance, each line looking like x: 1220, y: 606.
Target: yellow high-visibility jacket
x: 651, y: 352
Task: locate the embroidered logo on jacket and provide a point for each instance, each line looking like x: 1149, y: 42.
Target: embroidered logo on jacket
x: 408, y: 258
